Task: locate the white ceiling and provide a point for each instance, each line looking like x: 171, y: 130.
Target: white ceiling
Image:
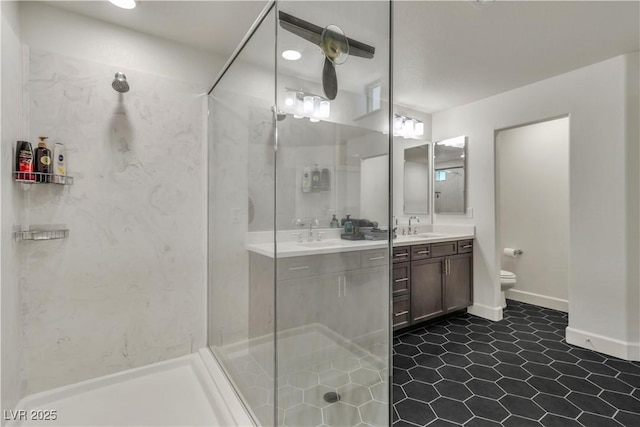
x: 446, y: 53
x: 452, y: 53
x: 215, y: 26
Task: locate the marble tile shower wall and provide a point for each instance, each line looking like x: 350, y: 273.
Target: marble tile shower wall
x: 128, y: 287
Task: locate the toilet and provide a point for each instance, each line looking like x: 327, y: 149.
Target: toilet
x: 507, y: 281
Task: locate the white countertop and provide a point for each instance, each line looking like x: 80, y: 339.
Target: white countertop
x: 288, y: 249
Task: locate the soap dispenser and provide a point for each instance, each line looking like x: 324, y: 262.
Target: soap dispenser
x: 334, y: 222
x: 348, y: 225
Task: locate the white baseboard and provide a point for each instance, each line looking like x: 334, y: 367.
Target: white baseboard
x: 617, y: 348
x: 486, y: 312
x: 539, y: 300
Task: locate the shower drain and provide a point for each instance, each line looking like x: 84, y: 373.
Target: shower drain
x: 331, y: 397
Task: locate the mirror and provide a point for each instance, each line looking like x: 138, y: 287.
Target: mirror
x: 449, y: 183
x: 416, y: 180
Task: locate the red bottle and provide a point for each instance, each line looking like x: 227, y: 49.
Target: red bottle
x: 24, y: 161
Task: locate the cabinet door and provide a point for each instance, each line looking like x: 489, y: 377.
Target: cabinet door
x: 459, y: 282
x: 308, y: 300
x: 364, y: 304
x: 401, y: 314
x: 426, y: 289
x: 401, y: 278
x: 401, y: 254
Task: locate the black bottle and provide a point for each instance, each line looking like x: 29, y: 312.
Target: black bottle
x: 43, y: 161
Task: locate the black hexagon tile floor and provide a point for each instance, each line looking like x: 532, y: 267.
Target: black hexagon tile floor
x: 519, y: 372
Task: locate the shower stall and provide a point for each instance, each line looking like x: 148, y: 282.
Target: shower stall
x: 299, y: 252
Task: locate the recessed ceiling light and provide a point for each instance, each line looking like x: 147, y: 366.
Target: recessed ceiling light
x: 124, y: 4
x: 291, y: 55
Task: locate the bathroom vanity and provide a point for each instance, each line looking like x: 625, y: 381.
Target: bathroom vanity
x: 431, y: 280
x: 334, y: 282
x: 341, y: 291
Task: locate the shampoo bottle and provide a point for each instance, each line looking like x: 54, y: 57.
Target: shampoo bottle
x: 43, y: 161
x: 59, y: 163
x: 24, y: 161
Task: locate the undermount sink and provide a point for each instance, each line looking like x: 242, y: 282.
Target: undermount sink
x: 426, y: 235
x: 320, y: 244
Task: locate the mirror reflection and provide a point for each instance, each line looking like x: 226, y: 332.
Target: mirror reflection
x: 416, y: 180
x: 449, y: 183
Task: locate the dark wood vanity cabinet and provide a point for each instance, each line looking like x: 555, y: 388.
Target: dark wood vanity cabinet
x: 437, y: 280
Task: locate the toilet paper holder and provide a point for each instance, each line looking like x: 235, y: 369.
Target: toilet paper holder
x: 511, y: 252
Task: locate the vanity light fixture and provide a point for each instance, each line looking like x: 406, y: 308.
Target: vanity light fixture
x: 407, y: 127
x: 290, y: 99
x: 397, y: 125
x: 303, y: 104
x: 307, y: 106
x: 124, y: 4
x: 325, y: 109
x: 291, y: 55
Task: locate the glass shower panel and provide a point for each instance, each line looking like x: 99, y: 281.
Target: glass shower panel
x: 332, y: 283
x: 241, y: 222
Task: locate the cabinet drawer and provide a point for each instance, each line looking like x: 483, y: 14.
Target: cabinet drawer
x: 336, y: 263
x: 401, y: 315
x: 401, y: 254
x: 401, y: 278
x: 465, y: 246
x: 420, y: 252
x: 443, y: 249
x: 291, y: 268
x: 375, y: 257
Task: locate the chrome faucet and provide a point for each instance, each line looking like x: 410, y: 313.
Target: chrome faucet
x: 417, y: 219
x: 395, y: 229
x: 311, y: 224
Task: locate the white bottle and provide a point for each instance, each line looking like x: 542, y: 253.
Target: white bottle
x: 59, y: 164
x: 306, y: 180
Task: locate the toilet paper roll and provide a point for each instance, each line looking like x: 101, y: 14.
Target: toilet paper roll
x: 511, y: 252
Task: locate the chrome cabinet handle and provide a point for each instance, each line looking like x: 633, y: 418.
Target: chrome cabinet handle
x: 400, y: 255
x: 304, y: 267
x: 401, y: 313
x: 467, y: 247
x: 401, y: 280
x: 376, y: 258
x: 423, y: 252
x: 342, y: 286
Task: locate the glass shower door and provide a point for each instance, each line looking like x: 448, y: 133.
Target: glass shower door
x: 332, y: 282
x: 241, y: 217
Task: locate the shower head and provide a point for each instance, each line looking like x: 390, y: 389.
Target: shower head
x: 120, y: 83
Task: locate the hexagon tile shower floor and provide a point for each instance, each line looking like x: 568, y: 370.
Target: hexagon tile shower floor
x: 519, y: 372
